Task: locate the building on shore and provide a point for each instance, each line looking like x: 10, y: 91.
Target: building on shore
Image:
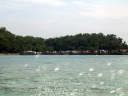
x: 28, y: 53
x: 78, y: 52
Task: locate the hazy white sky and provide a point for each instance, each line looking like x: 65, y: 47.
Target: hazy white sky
x: 51, y: 18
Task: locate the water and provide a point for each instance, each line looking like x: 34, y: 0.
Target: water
x: 64, y: 75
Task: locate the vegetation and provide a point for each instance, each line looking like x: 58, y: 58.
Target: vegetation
x: 86, y: 42
x: 10, y: 43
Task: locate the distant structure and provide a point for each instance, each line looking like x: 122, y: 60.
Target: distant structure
x: 87, y: 52
x: 28, y: 53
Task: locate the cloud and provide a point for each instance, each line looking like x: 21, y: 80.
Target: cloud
x: 60, y: 17
x: 106, y: 11
x: 47, y: 2
x: 21, y: 3
x: 50, y: 2
x: 83, y: 4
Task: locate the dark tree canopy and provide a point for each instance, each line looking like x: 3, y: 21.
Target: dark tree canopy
x: 10, y: 43
x: 86, y: 42
x: 13, y: 43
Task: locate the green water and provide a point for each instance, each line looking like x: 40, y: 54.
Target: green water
x: 64, y: 75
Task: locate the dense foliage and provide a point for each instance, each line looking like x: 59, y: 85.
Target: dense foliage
x: 86, y: 42
x: 10, y: 43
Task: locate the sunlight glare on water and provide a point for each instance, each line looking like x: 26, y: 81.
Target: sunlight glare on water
x: 63, y: 75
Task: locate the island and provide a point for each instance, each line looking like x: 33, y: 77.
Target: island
x: 79, y: 44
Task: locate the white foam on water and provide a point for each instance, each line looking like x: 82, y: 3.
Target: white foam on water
x: 56, y: 69
x: 120, y: 71
x: 100, y: 75
x: 102, y: 83
x: 91, y: 69
x: 81, y: 74
x: 113, y: 91
x: 109, y: 64
x: 37, y: 56
x: 26, y: 65
x: 93, y: 86
x: 72, y: 94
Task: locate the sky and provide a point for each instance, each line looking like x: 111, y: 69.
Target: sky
x: 53, y: 18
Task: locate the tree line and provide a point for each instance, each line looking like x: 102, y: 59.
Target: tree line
x: 11, y: 43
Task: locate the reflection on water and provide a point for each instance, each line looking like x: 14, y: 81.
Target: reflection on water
x: 63, y: 76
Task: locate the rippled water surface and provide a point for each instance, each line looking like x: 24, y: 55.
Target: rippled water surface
x: 64, y: 75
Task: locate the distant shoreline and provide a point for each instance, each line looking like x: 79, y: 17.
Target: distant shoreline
x: 1, y: 54
x: 5, y: 54
x: 79, y: 44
